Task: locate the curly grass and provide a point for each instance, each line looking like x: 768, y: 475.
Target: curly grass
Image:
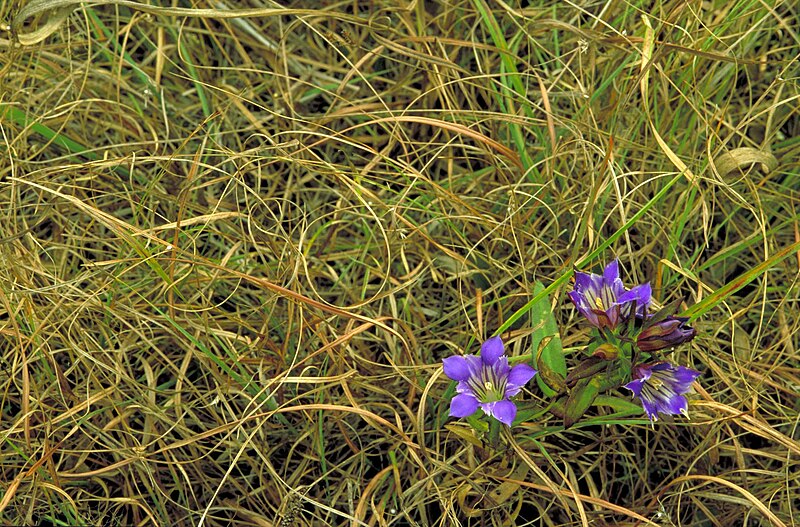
x: 237, y: 245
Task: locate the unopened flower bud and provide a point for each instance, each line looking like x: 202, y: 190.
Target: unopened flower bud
x: 669, y: 332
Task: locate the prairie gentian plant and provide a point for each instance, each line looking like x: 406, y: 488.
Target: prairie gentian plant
x: 626, y: 347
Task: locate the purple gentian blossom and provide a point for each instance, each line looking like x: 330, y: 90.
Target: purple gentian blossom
x: 486, y: 381
x: 669, y: 332
x: 661, y: 388
x: 603, y: 299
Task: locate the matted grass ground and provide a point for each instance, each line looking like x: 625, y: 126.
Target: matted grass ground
x: 236, y: 250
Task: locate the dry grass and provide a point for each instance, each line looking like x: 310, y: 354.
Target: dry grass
x: 235, y: 250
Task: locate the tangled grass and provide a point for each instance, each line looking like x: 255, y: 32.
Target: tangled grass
x: 236, y: 246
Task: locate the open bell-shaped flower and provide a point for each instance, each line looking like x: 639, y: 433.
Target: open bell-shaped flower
x: 486, y: 381
x: 603, y: 299
x: 661, y: 388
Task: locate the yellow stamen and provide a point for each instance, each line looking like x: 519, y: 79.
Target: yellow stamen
x: 599, y: 302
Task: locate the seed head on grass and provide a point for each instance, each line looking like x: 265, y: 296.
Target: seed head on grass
x: 486, y: 381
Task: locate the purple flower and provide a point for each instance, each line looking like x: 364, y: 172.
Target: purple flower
x: 669, y: 332
x: 661, y: 386
x: 604, y: 301
x: 486, y: 382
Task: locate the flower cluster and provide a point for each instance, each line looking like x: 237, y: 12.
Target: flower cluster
x: 628, y: 342
x: 622, y: 317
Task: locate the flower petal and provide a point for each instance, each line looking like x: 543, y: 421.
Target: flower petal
x: 606, y: 319
x: 636, y: 386
x: 641, y: 294
x: 504, y: 411
x: 684, y: 376
x: 646, y: 369
x: 463, y: 405
x: 583, y: 308
x: 577, y: 299
x: 664, y: 334
x: 491, y: 350
x: 611, y: 272
x: 456, y: 368
x: 518, y: 377
x: 660, y: 388
x: 674, y: 405
x: 501, y: 368
x: 587, y: 283
x: 650, y: 408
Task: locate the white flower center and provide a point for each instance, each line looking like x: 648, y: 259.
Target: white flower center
x: 489, y: 385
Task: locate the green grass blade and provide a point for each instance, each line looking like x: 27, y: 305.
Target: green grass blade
x: 22, y: 120
x: 718, y: 296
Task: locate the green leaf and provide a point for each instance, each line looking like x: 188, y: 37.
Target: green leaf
x: 478, y: 422
x: 466, y: 434
x: 549, y: 380
x: 619, y: 405
x: 546, y: 342
x: 663, y: 313
x: 579, y: 400
x: 737, y: 283
x: 513, y: 88
x: 585, y: 369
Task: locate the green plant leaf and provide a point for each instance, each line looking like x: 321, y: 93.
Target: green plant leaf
x: 580, y: 399
x: 546, y: 343
x: 585, y: 369
x: 739, y: 282
x: 619, y: 405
